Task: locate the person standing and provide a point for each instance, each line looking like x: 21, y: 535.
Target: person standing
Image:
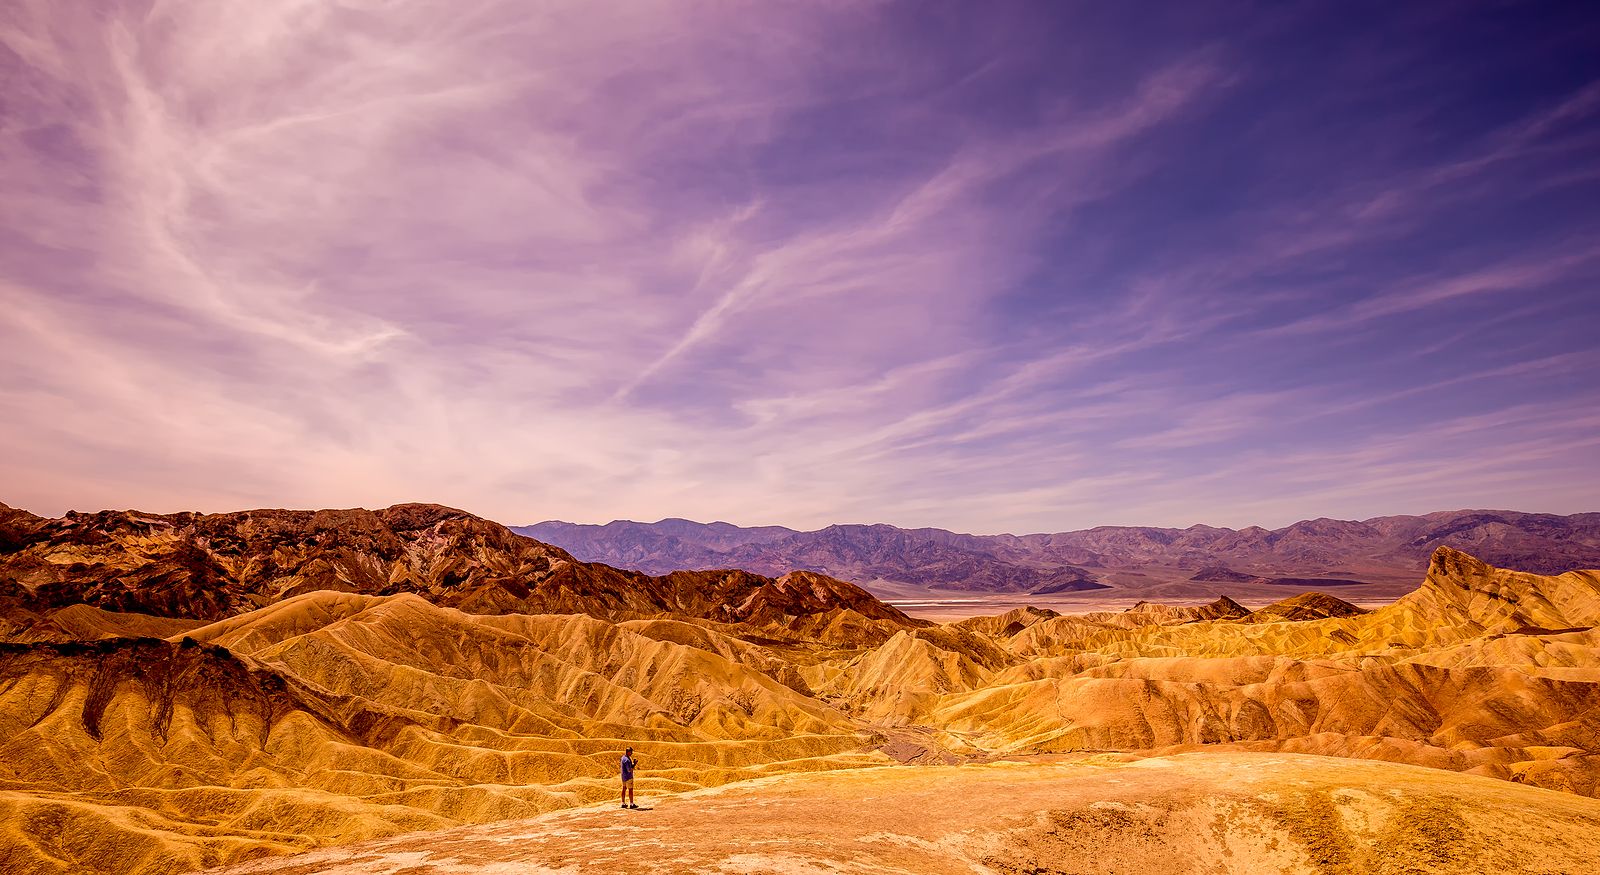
x: 628, y: 765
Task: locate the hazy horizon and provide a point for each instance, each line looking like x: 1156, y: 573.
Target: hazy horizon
x: 1057, y: 531
x: 1030, y: 268
x: 512, y: 523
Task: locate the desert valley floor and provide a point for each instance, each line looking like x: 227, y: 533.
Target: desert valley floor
x: 182, y: 691
x: 1192, y: 813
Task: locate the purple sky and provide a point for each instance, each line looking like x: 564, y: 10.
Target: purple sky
x: 987, y: 266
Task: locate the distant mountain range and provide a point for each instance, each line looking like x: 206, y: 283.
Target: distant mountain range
x: 1319, y: 551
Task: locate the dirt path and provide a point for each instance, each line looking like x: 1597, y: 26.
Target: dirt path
x: 1193, y: 813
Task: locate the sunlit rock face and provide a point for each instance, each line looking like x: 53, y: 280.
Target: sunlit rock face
x: 185, y: 691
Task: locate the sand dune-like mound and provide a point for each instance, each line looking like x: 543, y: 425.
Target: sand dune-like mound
x: 1196, y: 813
x: 80, y: 622
x: 1222, y: 608
x: 1306, y: 606
x: 899, y: 682
x: 1007, y: 624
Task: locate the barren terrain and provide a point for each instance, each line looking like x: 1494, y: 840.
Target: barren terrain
x: 299, y: 680
x: 1192, y: 813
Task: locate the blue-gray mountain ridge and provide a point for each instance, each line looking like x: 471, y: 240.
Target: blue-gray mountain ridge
x: 1335, y: 551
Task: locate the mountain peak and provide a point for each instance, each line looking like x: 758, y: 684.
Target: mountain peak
x: 1450, y: 562
x: 1464, y: 590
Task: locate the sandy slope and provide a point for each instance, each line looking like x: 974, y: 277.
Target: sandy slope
x: 1194, y: 813
x: 333, y: 717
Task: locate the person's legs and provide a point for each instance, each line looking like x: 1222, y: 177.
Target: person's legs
x: 627, y: 792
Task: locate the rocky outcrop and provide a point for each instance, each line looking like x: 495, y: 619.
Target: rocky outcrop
x: 211, y: 566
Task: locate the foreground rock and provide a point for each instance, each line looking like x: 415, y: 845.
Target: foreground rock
x: 1211, y: 813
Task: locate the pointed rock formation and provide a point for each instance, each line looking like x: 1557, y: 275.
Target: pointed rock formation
x: 1306, y: 606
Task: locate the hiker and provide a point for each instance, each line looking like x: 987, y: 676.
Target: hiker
x: 628, y: 764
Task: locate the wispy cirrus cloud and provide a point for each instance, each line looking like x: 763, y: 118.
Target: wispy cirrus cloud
x: 801, y: 263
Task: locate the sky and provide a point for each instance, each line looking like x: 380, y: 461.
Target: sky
x: 1014, y: 266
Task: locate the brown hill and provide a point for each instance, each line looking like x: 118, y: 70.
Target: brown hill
x: 1007, y: 624
x: 1223, y: 608
x: 210, y: 566
x: 1306, y: 606
x: 80, y: 622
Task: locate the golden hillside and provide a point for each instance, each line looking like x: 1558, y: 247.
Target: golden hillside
x: 443, y: 689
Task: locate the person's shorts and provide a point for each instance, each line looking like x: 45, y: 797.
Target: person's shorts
x: 627, y: 780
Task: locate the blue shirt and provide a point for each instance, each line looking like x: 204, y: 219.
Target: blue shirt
x: 627, y: 767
